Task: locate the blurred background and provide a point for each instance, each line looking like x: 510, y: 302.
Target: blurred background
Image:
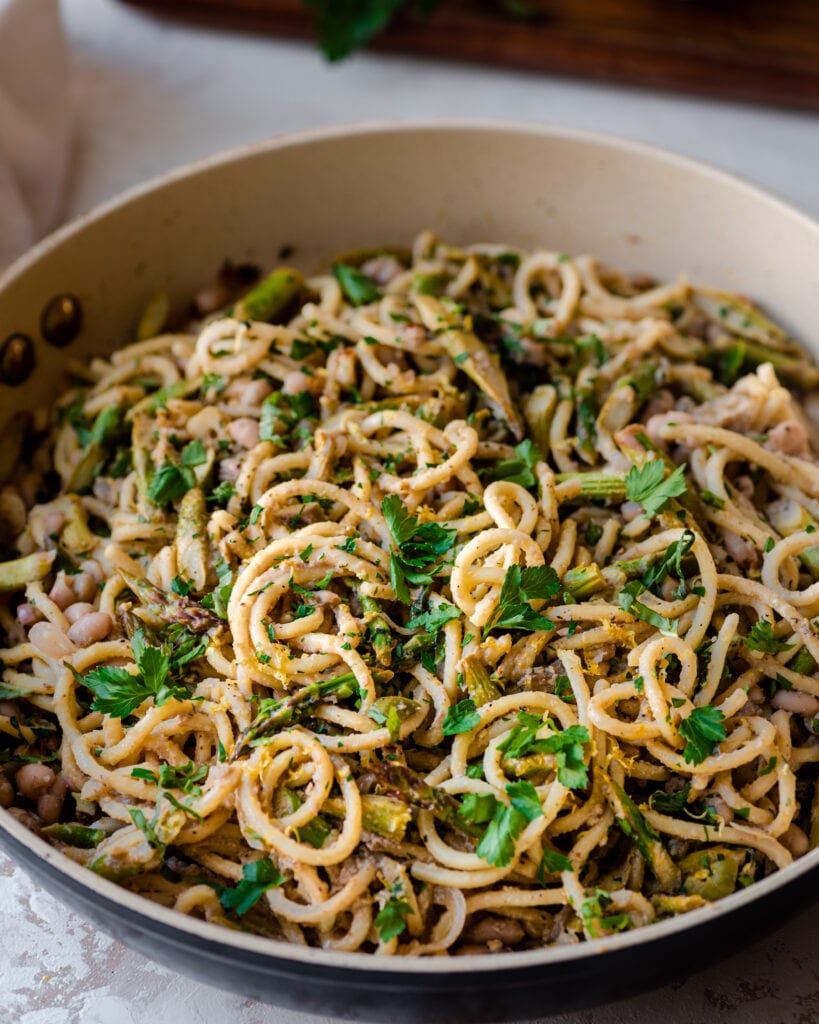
x: 98, y: 95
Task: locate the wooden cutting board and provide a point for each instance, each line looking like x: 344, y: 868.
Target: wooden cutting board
x: 747, y: 49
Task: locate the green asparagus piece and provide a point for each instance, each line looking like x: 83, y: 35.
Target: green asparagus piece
x: 160, y: 607
x: 20, y: 571
x: 605, y: 486
x: 402, y: 783
x: 274, y: 714
x: 632, y: 823
x: 380, y: 814
x: 477, y: 683
x: 378, y: 629
x: 739, y: 316
x: 642, y: 379
x: 471, y: 355
x: 584, y: 581
x: 537, y: 411
x: 191, y: 542
x: 271, y: 297
x: 80, y: 836
x: 711, y: 873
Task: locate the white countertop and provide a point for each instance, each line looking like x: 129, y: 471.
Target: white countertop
x: 152, y: 95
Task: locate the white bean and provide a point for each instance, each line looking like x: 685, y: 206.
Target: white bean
x: 244, y: 431
x: 796, y: 701
x: 90, y: 628
x: 62, y: 593
x: 34, y: 779
x: 50, y: 640
x: 77, y: 610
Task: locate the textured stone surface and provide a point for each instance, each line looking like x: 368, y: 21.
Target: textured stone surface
x: 152, y: 95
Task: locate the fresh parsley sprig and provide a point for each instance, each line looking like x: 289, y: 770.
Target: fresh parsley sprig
x: 567, y: 747
x: 419, y: 547
x: 257, y: 877
x: 497, y: 846
x: 119, y: 691
x: 519, y: 588
x: 391, y: 919
x: 648, y: 485
x: 701, y: 730
x: 762, y: 638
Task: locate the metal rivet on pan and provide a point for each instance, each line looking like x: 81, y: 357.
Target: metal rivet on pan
x: 61, y: 320
x: 16, y: 359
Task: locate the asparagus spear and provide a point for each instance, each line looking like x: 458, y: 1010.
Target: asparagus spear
x: 380, y: 814
x: 584, y: 581
x: 274, y: 714
x: 605, y: 486
x: 191, y: 545
x: 20, y: 571
x: 402, y: 783
x: 159, y: 607
x: 477, y: 682
x: 79, y: 836
x: 271, y: 297
x: 471, y: 355
x: 378, y: 629
x: 632, y: 823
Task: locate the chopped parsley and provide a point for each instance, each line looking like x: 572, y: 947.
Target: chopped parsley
x: 118, y: 692
x: 761, y: 638
x: 701, y: 730
x: 357, y: 287
x: 257, y: 878
x: 391, y: 919
x: 520, y: 586
x: 649, y: 485
x: 461, y: 718
x: 169, y: 482
x: 497, y: 846
x: 419, y: 547
x: 519, y: 469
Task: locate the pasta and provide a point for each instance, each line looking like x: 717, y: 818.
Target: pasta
x: 455, y: 600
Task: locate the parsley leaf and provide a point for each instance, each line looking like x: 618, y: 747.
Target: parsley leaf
x: 593, y: 913
x: 258, y: 877
x: 552, y: 862
x: 478, y: 808
x: 420, y: 547
x: 525, y: 799
x: 461, y: 718
x: 670, y: 562
x: 629, y: 603
x: 761, y: 638
x: 390, y: 920
x: 435, y: 619
x: 170, y: 482
x: 649, y: 486
x: 194, y: 454
x: 118, y: 692
x: 701, y: 730
x: 520, y: 586
x: 497, y: 846
x: 567, y: 746
x: 357, y: 287
x: 518, y: 470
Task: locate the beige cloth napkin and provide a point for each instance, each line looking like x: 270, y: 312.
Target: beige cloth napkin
x: 35, y: 122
